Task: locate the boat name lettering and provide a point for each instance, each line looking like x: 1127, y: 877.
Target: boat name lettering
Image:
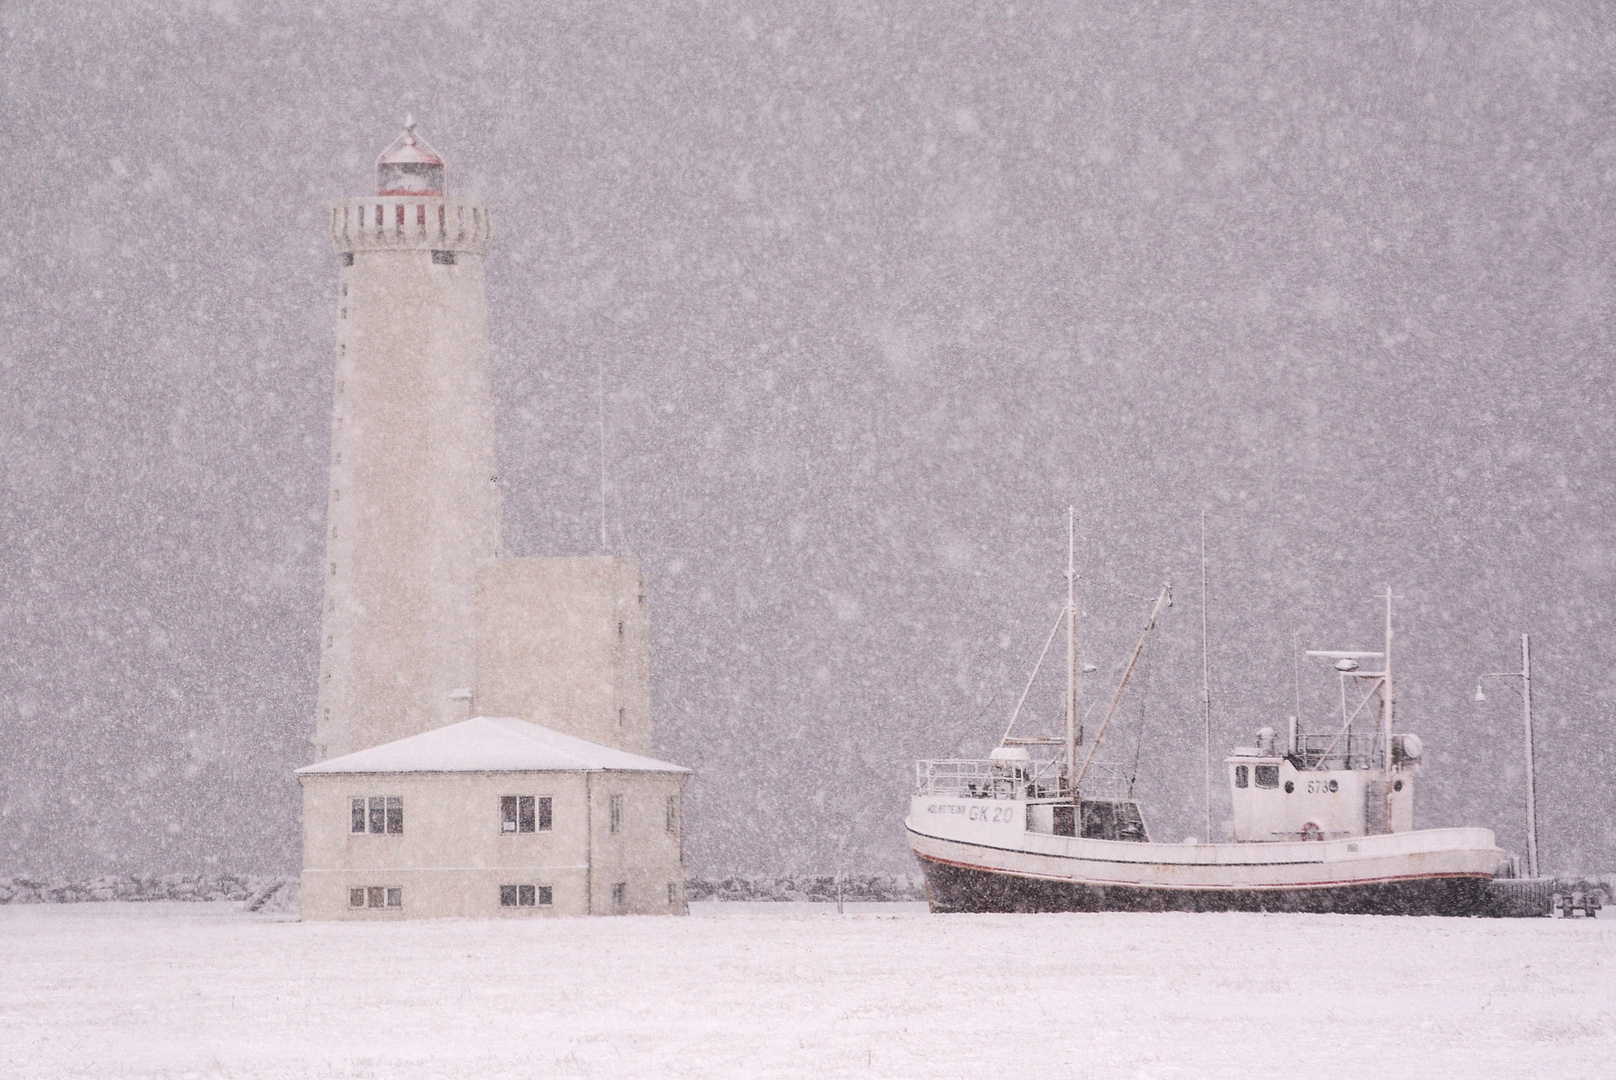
x: 944, y: 808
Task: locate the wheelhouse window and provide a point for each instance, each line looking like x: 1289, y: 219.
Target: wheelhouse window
x: 1267, y: 776
x: 616, y: 813
x: 671, y: 812
x: 377, y: 815
x: 619, y: 894
x: 1242, y: 776
x: 524, y: 813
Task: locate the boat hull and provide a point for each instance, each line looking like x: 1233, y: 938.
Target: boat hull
x: 954, y: 888
x: 979, y: 855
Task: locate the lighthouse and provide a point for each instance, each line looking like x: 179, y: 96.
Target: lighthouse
x: 483, y: 723
x: 413, y: 505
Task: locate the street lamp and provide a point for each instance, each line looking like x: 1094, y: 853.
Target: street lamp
x: 1525, y: 675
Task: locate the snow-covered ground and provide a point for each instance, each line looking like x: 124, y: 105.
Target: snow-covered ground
x: 787, y: 990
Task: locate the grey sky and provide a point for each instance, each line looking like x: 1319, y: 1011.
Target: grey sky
x: 876, y: 291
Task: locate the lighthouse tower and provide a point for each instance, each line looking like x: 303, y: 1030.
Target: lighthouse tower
x: 483, y: 723
x: 413, y: 502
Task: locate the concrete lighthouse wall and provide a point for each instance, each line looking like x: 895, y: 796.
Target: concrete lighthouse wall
x: 566, y: 643
x: 413, y: 504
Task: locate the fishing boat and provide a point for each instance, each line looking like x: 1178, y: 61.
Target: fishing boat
x: 1321, y: 822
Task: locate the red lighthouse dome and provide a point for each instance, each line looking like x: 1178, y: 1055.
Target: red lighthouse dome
x: 410, y: 166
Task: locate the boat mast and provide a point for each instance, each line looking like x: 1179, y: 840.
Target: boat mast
x: 1531, y: 768
x: 1071, y: 650
x: 1386, y: 692
x: 1206, y: 694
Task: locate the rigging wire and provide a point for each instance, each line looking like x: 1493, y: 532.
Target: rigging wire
x: 1139, y: 740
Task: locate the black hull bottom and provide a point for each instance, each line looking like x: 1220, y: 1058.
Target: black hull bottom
x: 957, y: 889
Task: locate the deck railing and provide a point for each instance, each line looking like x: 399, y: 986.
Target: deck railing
x: 979, y: 778
x: 1337, y: 751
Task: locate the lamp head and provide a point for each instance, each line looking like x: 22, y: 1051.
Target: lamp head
x: 1479, y: 695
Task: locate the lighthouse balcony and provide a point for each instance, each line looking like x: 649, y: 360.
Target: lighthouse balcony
x: 411, y: 222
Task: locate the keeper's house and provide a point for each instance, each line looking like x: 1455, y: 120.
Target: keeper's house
x: 491, y: 817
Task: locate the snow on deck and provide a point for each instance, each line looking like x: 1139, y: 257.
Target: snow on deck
x: 790, y: 990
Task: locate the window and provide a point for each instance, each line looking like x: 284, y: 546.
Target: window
x: 622, y: 717
x: 619, y: 894
x: 1242, y: 776
x: 525, y: 896
x: 524, y: 813
x: 673, y: 894
x: 672, y: 814
x: 1267, y: 776
x: 376, y: 896
x: 347, y: 258
x: 400, y: 215
x: 616, y: 804
x: 443, y: 258
x: 377, y: 814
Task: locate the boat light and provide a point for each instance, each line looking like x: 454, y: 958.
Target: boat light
x: 1479, y: 695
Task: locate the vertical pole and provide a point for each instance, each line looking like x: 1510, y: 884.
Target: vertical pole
x: 600, y: 394
x: 1531, y: 782
x: 1206, y: 695
x: 1387, y: 698
x: 1071, y: 651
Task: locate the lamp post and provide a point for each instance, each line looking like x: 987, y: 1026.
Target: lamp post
x: 1525, y: 675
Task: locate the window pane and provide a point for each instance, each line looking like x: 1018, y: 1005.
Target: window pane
x: 378, y: 896
x: 673, y: 813
x: 1267, y: 775
x: 617, y: 812
x: 395, y: 897
x: 673, y: 895
x: 524, y: 895
x: 525, y: 817
x: 619, y: 894
x: 1242, y: 776
x: 507, y: 896
x: 357, y: 815
x: 544, y: 896
x: 544, y: 813
x: 507, y: 813
x: 356, y: 897
x: 395, y: 815
x: 378, y: 815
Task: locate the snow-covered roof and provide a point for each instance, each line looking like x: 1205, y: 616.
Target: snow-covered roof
x: 490, y: 744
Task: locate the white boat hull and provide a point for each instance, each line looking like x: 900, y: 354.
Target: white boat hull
x: 977, y: 855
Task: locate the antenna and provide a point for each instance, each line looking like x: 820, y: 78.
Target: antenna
x: 1071, y: 646
x: 600, y: 396
x: 1206, y: 696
